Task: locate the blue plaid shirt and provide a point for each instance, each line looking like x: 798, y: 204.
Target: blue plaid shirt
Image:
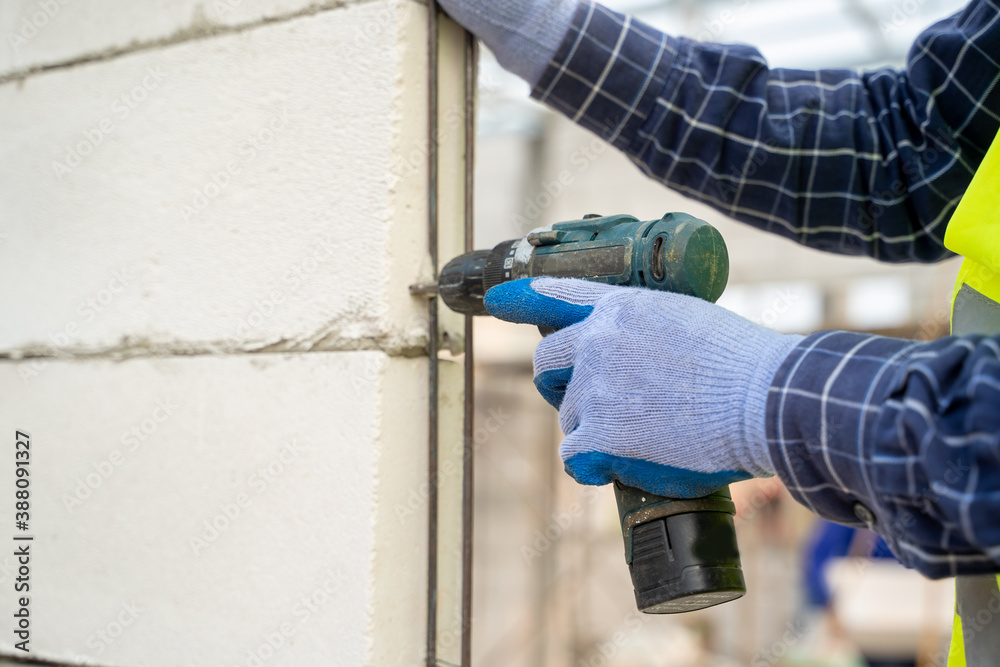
x: 898, y: 436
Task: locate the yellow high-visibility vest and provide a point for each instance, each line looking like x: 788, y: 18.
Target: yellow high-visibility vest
x: 974, y: 233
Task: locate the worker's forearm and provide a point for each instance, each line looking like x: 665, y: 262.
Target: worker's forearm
x: 857, y: 164
x: 900, y: 436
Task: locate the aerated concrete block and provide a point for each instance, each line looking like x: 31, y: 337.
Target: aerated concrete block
x: 258, y: 190
x: 239, y: 510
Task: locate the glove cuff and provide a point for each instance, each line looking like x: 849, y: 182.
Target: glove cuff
x: 770, y: 354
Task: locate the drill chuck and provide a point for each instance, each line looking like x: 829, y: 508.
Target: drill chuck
x: 461, y: 283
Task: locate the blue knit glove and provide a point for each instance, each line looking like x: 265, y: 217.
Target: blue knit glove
x: 663, y: 392
x: 523, y: 34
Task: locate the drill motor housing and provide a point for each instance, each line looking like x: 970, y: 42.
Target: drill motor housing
x: 677, y: 253
x: 681, y: 553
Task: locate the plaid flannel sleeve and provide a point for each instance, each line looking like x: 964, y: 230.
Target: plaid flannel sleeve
x: 854, y: 163
x: 898, y: 436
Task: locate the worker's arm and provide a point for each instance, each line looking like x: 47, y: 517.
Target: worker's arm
x: 899, y: 436
x: 678, y: 396
x: 851, y: 163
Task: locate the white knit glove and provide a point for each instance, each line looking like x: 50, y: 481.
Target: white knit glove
x: 661, y: 391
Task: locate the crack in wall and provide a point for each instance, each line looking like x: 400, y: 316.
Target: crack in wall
x: 200, y: 29
x: 130, y: 348
x: 13, y: 661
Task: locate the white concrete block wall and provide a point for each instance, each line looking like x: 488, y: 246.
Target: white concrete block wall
x: 229, y: 193
x: 220, y: 509
x: 206, y: 239
x: 44, y: 33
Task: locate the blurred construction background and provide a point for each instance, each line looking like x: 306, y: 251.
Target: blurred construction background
x: 552, y: 587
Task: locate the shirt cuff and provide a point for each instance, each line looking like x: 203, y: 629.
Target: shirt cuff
x: 823, y: 407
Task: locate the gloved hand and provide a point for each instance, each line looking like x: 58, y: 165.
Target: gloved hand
x: 664, y: 392
x: 523, y: 34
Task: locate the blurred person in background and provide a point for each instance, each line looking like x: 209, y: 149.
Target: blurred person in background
x: 678, y: 396
x: 828, y: 543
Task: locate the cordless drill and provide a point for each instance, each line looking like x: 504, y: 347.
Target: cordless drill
x: 681, y: 553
